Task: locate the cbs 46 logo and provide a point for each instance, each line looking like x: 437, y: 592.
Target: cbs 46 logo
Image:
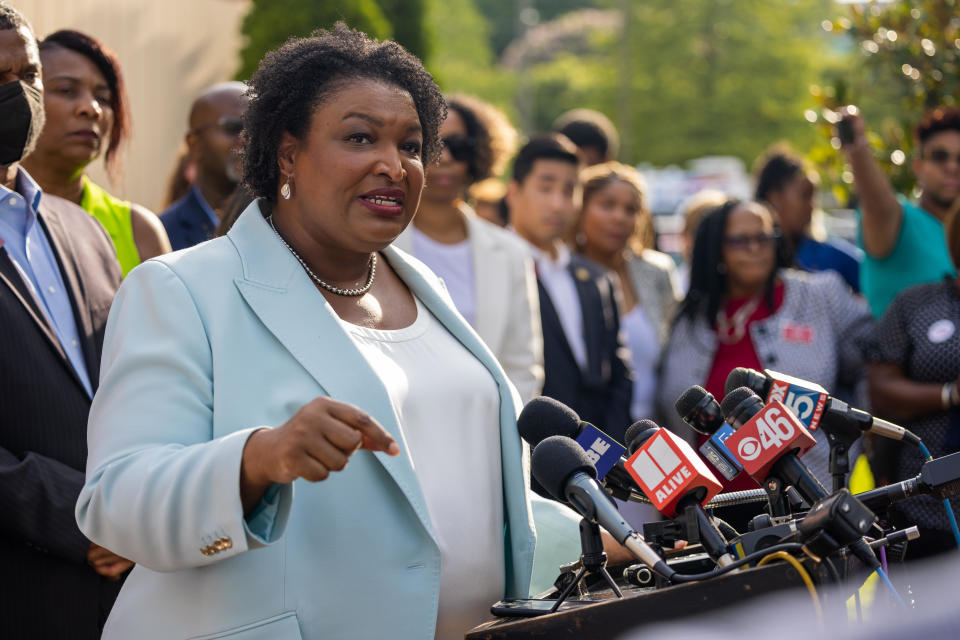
x: 773, y: 430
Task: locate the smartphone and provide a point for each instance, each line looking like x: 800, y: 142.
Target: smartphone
x: 530, y: 607
x: 845, y: 131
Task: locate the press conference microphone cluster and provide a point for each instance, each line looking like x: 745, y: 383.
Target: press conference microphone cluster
x: 563, y: 468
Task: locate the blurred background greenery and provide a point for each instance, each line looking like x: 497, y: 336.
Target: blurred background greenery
x: 680, y: 78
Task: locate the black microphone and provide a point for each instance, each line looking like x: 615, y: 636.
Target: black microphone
x: 939, y: 478
x: 701, y: 411
x: 543, y: 417
x: 562, y: 467
x: 812, y: 405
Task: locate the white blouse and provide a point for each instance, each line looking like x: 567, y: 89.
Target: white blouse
x: 448, y: 408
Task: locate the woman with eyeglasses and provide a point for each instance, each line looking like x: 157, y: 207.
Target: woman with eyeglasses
x: 86, y: 109
x: 487, y: 270
x: 745, y: 308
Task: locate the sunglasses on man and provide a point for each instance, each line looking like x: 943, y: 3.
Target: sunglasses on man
x: 942, y: 157
x: 228, y: 125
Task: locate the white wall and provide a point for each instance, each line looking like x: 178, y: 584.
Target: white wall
x: 169, y: 51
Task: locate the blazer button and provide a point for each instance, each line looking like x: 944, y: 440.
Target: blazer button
x: 227, y: 542
x: 772, y: 359
x: 218, y: 545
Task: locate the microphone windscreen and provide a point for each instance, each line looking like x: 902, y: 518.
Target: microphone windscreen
x: 639, y: 432
x: 544, y: 417
x: 734, y: 398
x: 736, y: 378
x: 557, y: 458
x: 689, y: 399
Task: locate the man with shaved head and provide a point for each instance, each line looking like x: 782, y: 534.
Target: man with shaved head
x: 214, y: 145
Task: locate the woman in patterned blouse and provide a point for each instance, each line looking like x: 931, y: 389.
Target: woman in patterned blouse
x: 915, y: 366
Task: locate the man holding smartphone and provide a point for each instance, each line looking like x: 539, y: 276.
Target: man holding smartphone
x: 904, y: 242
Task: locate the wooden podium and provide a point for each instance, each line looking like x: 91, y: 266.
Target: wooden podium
x: 612, y: 617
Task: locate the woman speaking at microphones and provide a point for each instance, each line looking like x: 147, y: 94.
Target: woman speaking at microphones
x: 296, y: 434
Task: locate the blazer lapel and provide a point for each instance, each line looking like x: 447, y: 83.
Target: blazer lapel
x: 490, y: 274
x: 63, y: 248
x: 289, y: 305
x: 592, y: 309
x: 11, y: 278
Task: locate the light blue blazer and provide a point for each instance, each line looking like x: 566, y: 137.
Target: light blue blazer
x: 202, y: 347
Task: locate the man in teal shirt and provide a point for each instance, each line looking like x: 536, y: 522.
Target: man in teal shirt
x: 904, y: 243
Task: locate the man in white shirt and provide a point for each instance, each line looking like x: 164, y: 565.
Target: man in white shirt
x: 585, y: 359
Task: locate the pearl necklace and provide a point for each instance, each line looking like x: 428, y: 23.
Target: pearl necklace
x: 329, y: 287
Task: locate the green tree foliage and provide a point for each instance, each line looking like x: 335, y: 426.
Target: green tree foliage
x: 407, y: 18
x: 461, y: 59
x: 686, y: 78
x: 271, y: 22
x: 504, y: 18
x: 905, y: 60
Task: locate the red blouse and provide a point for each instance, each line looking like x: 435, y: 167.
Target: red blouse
x: 739, y: 354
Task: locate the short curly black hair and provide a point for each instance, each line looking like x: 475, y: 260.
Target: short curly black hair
x: 292, y: 80
x: 935, y: 121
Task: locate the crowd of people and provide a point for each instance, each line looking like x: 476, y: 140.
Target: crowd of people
x: 355, y: 285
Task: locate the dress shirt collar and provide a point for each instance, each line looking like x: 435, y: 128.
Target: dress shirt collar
x: 543, y: 259
x: 28, y: 191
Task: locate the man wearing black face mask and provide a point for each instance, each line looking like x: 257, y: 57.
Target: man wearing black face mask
x: 58, y: 275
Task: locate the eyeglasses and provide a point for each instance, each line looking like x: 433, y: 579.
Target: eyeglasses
x: 229, y: 125
x: 744, y: 242
x: 942, y: 157
x: 460, y: 147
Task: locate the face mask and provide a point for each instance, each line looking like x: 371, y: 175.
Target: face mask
x: 21, y: 120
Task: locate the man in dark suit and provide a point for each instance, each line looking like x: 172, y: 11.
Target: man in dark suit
x: 585, y: 359
x: 214, y: 145
x: 58, y: 275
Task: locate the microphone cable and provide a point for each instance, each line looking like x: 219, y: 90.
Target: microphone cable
x: 804, y: 575
x: 736, y: 564
x: 946, y: 501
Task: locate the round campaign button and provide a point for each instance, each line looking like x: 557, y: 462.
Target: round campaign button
x: 941, y: 331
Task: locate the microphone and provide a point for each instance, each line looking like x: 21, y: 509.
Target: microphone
x: 812, y: 405
x: 675, y: 479
x: 701, y: 411
x: 565, y: 470
x: 939, y: 478
x: 767, y: 441
x: 543, y: 417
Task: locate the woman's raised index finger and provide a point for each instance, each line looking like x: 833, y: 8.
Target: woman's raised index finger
x: 375, y: 437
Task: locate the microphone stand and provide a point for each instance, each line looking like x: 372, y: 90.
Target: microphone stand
x: 840, y: 437
x: 593, y: 560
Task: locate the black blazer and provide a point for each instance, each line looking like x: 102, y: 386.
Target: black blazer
x: 601, y: 394
x: 48, y: 589
x: 186, y: 222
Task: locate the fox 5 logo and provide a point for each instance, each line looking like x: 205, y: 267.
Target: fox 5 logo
x: 805, y: 404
